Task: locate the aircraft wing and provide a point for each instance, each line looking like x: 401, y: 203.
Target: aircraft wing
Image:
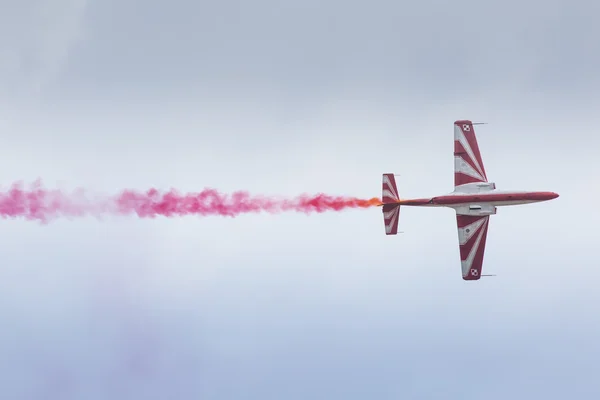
x: 468, y: 164
x: 472, y: 233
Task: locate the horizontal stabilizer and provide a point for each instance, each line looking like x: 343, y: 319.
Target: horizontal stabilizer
x: 391, y: 208
x: 391, y: 214
x: 389, y: 191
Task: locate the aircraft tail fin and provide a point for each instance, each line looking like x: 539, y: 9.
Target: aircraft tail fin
x: 391, y: 206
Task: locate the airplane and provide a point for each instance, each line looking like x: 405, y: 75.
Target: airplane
x: 474, y: 199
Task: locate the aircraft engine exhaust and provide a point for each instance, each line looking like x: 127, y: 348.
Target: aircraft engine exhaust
x: 44, y: 205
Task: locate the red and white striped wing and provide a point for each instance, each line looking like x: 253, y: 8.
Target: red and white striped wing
x: 468, y: 164
x: 472, y: 234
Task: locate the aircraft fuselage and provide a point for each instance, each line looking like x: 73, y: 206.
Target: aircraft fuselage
x: 494, y: 198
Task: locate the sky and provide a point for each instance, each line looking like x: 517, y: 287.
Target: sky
x: 284, y: 98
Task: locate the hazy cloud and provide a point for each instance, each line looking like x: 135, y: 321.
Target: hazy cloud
x: 286, y: 98
x: 36, y: 37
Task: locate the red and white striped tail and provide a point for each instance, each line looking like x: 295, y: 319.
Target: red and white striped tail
x: 391, y: 215
x: 391, y: 208
x: 389, y: 190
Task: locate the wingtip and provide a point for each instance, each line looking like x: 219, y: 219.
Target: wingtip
x: 468, y: 121
x: 462, y: 121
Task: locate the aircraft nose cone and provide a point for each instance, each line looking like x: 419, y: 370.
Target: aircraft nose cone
x: 553, y: 195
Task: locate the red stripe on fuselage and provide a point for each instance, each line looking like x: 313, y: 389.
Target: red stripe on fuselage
x: 493, y: 197
x: 456, y: 199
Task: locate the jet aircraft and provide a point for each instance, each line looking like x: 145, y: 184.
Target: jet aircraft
x: 474, y: 199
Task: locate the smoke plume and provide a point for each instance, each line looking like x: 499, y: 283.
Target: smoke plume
x: 37, y: 203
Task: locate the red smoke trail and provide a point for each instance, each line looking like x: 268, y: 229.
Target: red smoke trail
x: 41, y: 204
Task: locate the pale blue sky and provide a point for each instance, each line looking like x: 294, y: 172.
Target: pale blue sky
x: 285, y: 98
